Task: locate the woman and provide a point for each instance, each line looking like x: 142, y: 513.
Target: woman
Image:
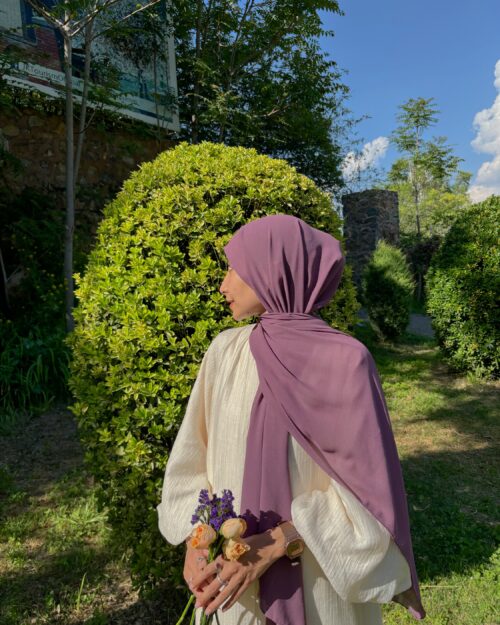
x: 289, y: 414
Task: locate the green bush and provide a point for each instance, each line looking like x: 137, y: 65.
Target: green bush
x: 149, y: 305
x: 418, y: 251
x: 33, y: 371
x: 463, y: 289
x: 387, y: 289
x: 33, y: 356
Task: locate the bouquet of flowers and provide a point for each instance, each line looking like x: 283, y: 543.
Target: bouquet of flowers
x: 218, y: 529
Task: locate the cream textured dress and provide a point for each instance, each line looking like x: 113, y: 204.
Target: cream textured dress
x: 350, y: 563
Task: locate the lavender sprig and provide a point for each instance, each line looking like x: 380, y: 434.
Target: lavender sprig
x: 214, y: 511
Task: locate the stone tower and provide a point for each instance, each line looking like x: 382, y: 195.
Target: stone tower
x: 368, y: 216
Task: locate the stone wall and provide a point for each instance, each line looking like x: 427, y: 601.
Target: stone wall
x: 38, y: 141
x: 368, y: 216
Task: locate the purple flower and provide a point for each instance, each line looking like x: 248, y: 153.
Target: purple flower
x: 215, y: 510
x: 204, y: 497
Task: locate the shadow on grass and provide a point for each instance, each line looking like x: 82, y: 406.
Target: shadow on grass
x: 56, y: 580
x: 453, y: 508
x: 42, y: 450
x: 453, y: 493
x: 471, y: 407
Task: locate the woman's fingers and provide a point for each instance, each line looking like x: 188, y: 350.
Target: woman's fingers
x: 195, y: 562
x: 236, y: 595
x: 215, y: 595
x: 201, y: 562
x: 208, y: 573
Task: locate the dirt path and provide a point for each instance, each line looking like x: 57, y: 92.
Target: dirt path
x: 41, y: 459
x: 419, y: 324
x: 42, y: 451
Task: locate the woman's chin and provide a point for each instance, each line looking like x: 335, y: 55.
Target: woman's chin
x: 240, y: 316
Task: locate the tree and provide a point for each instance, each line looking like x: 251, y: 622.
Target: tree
x: 253, y: 74
x: 70, y: 18
x: 430, y: 186
x: 431, y: 189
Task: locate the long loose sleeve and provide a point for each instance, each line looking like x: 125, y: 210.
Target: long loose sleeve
x: 186, y: 471
x: 355, y: 551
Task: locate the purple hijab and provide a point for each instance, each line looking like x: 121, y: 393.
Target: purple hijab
x: 317, y: 384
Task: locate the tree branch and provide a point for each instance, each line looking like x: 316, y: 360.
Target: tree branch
x: 38, y: 7
x: 78, y: 25
x: 138, y: 10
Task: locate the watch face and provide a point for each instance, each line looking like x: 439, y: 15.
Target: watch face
x: 295, y: 548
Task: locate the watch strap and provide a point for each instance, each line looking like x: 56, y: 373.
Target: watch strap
x: 292, y: 539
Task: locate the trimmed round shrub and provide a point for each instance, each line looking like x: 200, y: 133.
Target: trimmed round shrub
x: 463, y: 291
x: 148, y: 307
x: 387, y: 289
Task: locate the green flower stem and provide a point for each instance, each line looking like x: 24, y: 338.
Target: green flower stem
x: 191, y: 599
x: 214, y: 551
x: 193, y: 616
x: 205, y: 620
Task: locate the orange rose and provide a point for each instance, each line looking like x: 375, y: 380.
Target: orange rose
x: 234, y: 549
x: 233, y: 528
x: 202, y: 536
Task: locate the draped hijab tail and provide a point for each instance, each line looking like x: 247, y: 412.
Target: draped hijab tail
x: 320, y: 386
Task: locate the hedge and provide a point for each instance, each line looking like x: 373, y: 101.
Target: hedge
x: 463, y: 291
x: 387, y: 288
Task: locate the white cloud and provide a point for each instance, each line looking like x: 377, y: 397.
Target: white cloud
x: 487, y: 140
x: 370, y: 156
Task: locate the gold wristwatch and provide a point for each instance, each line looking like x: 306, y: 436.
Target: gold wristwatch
x: 294, y: 544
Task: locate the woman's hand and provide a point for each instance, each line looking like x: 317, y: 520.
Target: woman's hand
x: 195, y: 561
x: 266, y: 548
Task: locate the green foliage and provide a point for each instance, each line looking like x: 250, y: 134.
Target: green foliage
x: 33, y: 357
x: 431, y: 188
x: 149, y: 306
x: 463, y: 289
x: 33, y: 370
x: 387, y: 290
x: 419, y: 252
x: 255, y: 75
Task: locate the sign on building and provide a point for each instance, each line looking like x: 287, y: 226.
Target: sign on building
x: 142, y: 76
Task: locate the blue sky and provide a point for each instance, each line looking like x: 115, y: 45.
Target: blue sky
x: 446, y: 49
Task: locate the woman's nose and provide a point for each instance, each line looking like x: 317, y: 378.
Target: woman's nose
x: 223, y: 284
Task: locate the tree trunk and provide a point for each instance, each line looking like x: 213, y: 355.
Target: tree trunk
x: 70, y: 187
x: 83, y: 105
x: 419, y: 286
x: 418, y: 222
x: 196, y: 90
x: 4, y: 294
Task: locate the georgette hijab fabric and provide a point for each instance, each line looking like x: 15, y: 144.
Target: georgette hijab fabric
x: 317, y: 384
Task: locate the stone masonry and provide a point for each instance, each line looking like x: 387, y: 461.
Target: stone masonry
x: 368, y: 216
x: 38, y: 141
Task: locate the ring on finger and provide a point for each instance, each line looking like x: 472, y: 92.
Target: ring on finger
x: 199, y: 558
x: 223, y: 583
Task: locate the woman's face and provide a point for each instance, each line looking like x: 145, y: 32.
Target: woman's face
x: 243, y: 300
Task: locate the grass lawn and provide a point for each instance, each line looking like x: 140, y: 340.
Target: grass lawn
x: 58, y: 564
